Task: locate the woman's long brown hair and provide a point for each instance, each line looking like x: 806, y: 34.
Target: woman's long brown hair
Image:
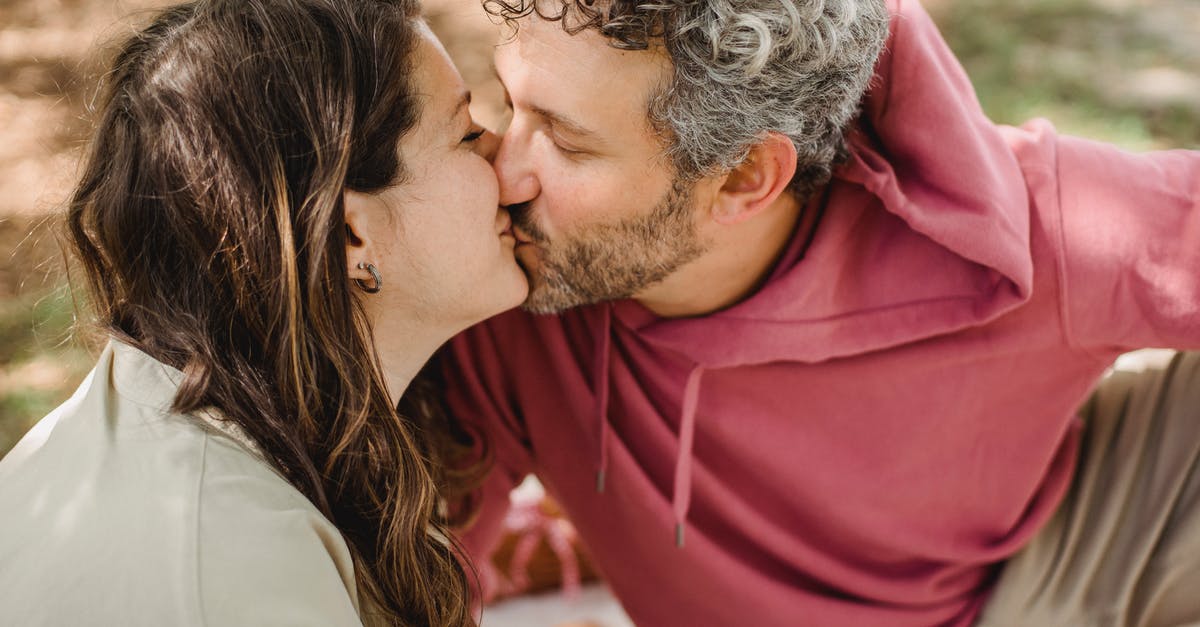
x: 210, y: 226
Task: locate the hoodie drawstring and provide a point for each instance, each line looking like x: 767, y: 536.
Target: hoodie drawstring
x: 682, y: 494
x: 601, y: 391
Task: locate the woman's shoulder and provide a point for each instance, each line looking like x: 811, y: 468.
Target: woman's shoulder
x: 266, y: 551
x: 119, y: 510
x: 266, y: 554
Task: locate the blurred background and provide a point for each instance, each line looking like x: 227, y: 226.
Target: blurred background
x: 1124, y: 71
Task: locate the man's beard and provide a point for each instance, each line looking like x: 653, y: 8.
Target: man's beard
x: 609, y: 261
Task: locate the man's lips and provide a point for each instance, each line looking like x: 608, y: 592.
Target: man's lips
x: 507, y: 227
x: 522, y: 238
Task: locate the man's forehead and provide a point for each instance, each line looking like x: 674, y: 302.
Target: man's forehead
x: 556, y: 70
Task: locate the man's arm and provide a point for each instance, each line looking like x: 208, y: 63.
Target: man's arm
x: 1130, y: 230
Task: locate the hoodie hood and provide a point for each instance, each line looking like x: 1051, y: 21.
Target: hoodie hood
x: 919, y: 234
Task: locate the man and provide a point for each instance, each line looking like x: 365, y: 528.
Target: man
x: 810, y: 367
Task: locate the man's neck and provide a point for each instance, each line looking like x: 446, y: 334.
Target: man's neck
x: 738, y: 262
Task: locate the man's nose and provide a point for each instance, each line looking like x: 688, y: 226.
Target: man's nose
x: 514, y: 169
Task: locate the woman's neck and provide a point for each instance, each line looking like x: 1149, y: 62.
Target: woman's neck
x: 402, y: 354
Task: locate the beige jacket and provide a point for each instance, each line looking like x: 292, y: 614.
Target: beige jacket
x: 116, y: 511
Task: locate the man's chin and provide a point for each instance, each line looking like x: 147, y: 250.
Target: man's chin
x: 546, y: 298
x: 541, y: 300
x: 533, y: 306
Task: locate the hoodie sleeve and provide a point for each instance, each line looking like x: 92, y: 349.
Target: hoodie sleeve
x: 477, y: 394
x: 1130, y: 246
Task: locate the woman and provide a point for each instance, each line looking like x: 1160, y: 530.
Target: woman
x: 286, y: 209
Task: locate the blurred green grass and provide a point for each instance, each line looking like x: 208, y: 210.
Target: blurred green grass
x: 1119, y: 71
x: 1122, y: 71
x: 32, y: 324
x: 42, y: 360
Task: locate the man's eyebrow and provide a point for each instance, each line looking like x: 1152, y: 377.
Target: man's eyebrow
x: 565, y: 123
x: 557, y: 119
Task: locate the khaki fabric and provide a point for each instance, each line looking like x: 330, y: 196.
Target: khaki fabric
x: 1124, y: 548
x: 115, y: 511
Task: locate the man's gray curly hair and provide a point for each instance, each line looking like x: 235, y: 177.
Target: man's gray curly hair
x: 741, y: 68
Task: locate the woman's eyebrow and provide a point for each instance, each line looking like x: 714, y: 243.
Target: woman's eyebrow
x: 464, y: 100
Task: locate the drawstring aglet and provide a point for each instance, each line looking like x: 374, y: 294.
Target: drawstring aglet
x: 600, y: 482
x: 679, y: 535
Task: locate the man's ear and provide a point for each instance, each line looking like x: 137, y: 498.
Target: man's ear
x: 753, y: 185
x: 359, y: 209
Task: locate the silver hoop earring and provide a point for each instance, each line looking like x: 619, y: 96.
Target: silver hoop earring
x: 370, y: 289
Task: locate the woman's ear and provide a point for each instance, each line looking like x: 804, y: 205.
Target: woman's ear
x: 360, y: 245
x: 753, y: 185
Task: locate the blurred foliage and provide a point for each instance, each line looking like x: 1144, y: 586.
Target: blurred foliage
x: 1122, y: 72
x: 42, y: 361
x: 32, y: 324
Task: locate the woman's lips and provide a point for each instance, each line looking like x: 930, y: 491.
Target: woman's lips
x: 506, y: 224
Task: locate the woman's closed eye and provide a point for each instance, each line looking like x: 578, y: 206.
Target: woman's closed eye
x: 474, y: 135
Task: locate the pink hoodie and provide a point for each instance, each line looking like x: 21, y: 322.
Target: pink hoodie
x: 863, y: 440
